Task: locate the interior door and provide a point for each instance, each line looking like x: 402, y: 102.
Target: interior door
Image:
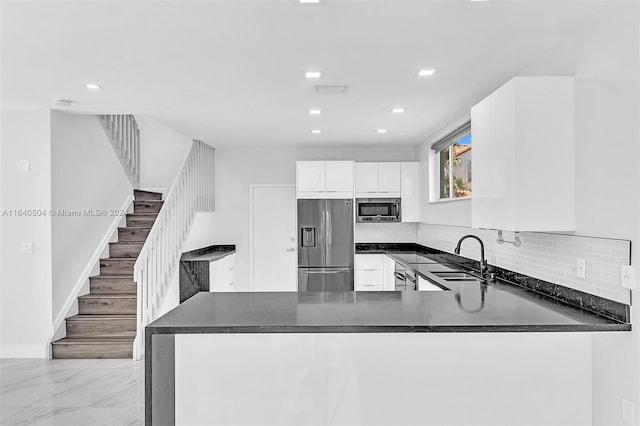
x: 274, y: 266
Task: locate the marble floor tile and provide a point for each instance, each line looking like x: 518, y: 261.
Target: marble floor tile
x: 66, y: 416
x: 71, y: 392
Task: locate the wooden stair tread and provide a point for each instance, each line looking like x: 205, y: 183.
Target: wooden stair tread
x: 119, y: 258
x: 108, y: 296
x: 96, y: 340
x: 100, y: 317
x: 111, y: 277
x: 146, y: 195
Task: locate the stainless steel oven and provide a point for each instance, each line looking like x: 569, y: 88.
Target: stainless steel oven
x: 376, y: 210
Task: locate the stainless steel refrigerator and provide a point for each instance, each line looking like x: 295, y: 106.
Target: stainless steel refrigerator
x: 325, y: 245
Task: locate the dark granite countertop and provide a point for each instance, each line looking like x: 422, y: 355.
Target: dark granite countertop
x: 504, y: 309
x: 210, y: 253
x: 466, y: 306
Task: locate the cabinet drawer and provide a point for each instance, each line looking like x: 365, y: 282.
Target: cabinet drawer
x: 369, y: 277
x: 369, y: 288
x: 369, y: 261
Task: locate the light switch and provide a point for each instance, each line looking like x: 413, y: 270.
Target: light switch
x: 24, y: 166
x: 26, y: 247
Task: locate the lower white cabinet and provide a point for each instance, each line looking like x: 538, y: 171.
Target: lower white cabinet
x: 373, y: 272
x: 424, y: 285
x: 222, y: 274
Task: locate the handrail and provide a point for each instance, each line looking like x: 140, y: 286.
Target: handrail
x: 192, y: 191
x: 122, y: 130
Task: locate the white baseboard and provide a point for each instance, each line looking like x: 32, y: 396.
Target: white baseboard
x: 23, y: 351
x: 84, y: 276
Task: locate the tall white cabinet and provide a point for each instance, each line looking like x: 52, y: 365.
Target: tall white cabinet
x: 410, y: 191
x: 524, y: 156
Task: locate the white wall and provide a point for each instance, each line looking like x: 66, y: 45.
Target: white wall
x: 604, y: 61
x: 162, y: 153
x: 237, y: 168
x: 25, y: 280
x: 85, y: 174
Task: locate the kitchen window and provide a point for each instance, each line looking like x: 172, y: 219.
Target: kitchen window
x: 453, y: 164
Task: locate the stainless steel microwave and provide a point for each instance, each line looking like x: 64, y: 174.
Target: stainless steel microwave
x: 376, y: 210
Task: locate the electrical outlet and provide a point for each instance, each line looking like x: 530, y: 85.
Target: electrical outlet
x: 581, y: 268
x: 626, y: 276
x: 26, y: 247
x: 628, y: 411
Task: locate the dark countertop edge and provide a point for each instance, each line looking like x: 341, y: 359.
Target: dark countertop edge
x: 209, y: 253
x: 597, y: 305
x: 275, y: 329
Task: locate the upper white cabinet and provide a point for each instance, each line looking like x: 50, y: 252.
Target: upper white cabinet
x: 389, y: 178
x: 524, y: 156
x: 410, y: 191
x: 311, y: 176
x: 324, y: 179
x: 377, y: 180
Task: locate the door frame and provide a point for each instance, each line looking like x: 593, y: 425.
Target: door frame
x: 252, y: 187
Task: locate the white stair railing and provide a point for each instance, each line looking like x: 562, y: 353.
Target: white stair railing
x: 122, y: 130
x: 192, y: 191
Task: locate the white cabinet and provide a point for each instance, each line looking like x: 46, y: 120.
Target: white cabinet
x: 222, y: 274
x: 371, y: 272
x: 339, y: 176
x: 524, y: 156
x: 366, y: 178
x: 410, y: 191
x: 377, y: 180
x: 311, y: 176
x: 389, y: 178
x: 424, y: 285
x: 324, y: 179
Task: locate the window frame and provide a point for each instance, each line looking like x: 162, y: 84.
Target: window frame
x: 447, y: 142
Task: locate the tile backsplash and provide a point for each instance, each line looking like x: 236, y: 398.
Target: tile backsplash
x: 385, y: 232
x: 546, y: 256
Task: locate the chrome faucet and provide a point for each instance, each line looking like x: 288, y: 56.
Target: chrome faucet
x: 483, y: 262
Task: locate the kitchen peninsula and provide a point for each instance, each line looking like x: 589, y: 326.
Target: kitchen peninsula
x: 373, y: 358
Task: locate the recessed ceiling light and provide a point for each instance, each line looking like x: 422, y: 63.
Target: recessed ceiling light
x: 92, y: 86
x: 426, y: 73
x: 398, y: 110
x: 316, y: 132
x: 309, y: 1
x: 315, y: 111
x: 312, y: 75
x: 380, y: 131
x: 478, y: 0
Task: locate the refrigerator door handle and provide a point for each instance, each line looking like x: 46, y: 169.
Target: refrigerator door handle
x: 329, y: 233
x: 332, y: 271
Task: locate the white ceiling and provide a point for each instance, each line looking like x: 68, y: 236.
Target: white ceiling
x: 232, y: 72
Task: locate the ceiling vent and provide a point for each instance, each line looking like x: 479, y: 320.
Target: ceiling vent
x: 64, y: 102
x: 322, y: 89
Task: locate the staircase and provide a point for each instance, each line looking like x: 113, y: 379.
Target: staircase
x: 105, y: 326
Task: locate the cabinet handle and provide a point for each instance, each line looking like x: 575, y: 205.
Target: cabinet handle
x: 369, y: 270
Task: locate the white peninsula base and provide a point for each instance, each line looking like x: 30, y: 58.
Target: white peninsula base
x: 383, y: 379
